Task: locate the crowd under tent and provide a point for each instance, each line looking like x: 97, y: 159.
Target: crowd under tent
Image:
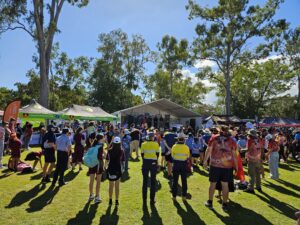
x: 162, y: 113
x: 82, y: 112
x: 278, y: 122
x: 224, y: 120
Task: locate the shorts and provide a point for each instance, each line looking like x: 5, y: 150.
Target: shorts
x: 297, y: 148
x: 217, y: 174
x: 195, y: 155
x: 169, y: 158
x: 114, y: 176
x: 95, y: 170
x: 49, y: 154
x: 163, y: 154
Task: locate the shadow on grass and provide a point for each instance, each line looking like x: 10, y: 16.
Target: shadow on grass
x: 6, y: 173
x: 179, y: 190
x: 188, y: 216
x: 71, y: 175
x: 286, y: 167
x: 24, y: 196
x: 200, y: 171
x: 288, y: 184
x: 110, y: 217
x: 85, y: 216
x: 153, y: 218
x: 37, y: 176
x: 238, y: 215
x: 281, y: 189
x: 278, y: 206
x: 43, y: 200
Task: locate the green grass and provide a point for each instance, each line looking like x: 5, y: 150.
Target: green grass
x: 23, y: 200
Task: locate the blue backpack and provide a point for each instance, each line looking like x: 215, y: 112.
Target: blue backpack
x: 90, y: 158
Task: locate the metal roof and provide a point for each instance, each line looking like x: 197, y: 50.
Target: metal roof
x: 163, y: 105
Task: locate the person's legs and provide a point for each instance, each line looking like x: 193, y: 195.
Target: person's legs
x: 276, y: 164
x: 52, y: 165
x: 98, y: 184
x: 127, y: 154
x: 271, y: 165
x: 251, y: 173
x: 1, y: 152
x: 211, y: 190
x: 145, y: 172
x: 111, y: 189
x: 136, y: 146
x: 45, y: 169
x: 34, y: 164
x: 153, y: 182
x: 257, y: 175
x: 183, y: 174
x: 169, y: 169
x: 117, y: 189
x: 91, y: 184
x: 64, y: 165
x: 225, y: 191
x: 175, y: 182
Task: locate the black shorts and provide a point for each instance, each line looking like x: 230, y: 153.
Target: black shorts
x: 163, y: 154
x: 49, y: 154
x: 195, y: 155
x: 219, y: 174
x: 114, y: 175
x: 169, y: 158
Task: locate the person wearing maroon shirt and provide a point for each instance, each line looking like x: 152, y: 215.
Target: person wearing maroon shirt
x: 221, y: 151
x: 79, y: 140
x: 27, y: 135
x: 15, y: 147
x: 97, y: 170
x: 254, y: 161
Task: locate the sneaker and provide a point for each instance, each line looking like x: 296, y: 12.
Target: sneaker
x: 97, y: 200
x: 117, y: 202
x: 209, y: 204
x: 248, y: 190
x: 91, y: 197
x: 225, y: 207
x: 110, y: 202
x: 259, y: 189
x: 62, y: 183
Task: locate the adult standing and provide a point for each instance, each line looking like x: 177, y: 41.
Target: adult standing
x: 115, y: 158
x: 135, y: 141
x: 48, y: 146
x: 27, y: 135
x: 180, y: 155
x: 273, y: 149
x: 79, y: 140
x: 126, y: 147
x: 296, y: 142
x: 64, y: 146
x: 2, y: 136
x: 150, y: 154
x: 254, y: 161
x: 221, y: 151
x: 169, y: 141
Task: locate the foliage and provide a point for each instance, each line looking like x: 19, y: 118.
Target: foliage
x: 258, y: 86
x: 227, y: 29
x: 6, y: 96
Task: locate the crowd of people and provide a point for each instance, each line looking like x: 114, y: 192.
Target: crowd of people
x: 222, y: 150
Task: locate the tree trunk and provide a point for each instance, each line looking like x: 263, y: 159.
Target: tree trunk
x: 228, y: 94
x: 44, y: 82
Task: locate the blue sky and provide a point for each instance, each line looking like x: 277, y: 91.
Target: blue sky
x: 80, y: 29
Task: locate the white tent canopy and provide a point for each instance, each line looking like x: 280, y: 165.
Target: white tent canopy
x: 161, y: 106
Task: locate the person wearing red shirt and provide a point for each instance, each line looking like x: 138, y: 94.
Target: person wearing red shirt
x: 253, y: 156
x: 15, y: 147
x: 27, y: 135
x: 221, y: 150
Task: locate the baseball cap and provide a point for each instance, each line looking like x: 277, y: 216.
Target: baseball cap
x: 151, y: 134
x: 117, y: 140
x: 252, y: 132
x: 126, y: 131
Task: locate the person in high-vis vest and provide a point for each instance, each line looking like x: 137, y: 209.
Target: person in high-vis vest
x: 180, y: 154
x: 150, y: 154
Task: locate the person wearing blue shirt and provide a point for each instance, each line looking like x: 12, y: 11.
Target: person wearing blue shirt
x: 126, y: 147
x: 169, y: 141
x: 189, y: 141
x: 63, y: 145
x: 296, y: 142
x: 196, y: 147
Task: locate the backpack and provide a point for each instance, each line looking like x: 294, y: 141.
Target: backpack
x: 90, y: 158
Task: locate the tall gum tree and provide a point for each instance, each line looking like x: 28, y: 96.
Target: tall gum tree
x: 39, y: 19
x: 226, y: 29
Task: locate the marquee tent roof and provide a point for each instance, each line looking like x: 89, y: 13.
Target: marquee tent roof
x: 35, y: 110
x: 223, y: 119
x: 279, y: 122
x: 164, y: 105
x: 85, y: 113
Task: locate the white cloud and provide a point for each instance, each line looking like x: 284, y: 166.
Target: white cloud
x: 272, y: 57
x: 205, y: 63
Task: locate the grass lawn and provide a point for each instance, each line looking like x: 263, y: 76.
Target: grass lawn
x: 24, y: 200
